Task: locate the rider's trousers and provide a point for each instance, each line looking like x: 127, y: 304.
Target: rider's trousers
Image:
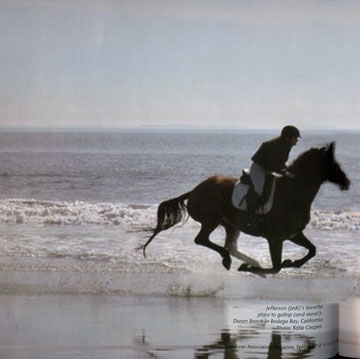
x: 258, y: 174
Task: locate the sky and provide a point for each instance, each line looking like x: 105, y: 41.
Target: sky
x: 203, y: 63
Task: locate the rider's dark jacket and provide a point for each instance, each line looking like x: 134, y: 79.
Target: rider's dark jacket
x: 273, y: 154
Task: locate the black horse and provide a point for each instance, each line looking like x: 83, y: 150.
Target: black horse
x: 210, y: 204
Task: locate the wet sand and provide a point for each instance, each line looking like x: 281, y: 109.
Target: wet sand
x: 106, y: 326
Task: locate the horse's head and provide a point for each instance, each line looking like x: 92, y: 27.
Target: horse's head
x: 321, y: 165
x: 333, y: 171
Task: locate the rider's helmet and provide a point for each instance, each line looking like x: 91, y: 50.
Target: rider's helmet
x: 290, y: 131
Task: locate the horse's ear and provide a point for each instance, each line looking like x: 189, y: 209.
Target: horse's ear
x: 331, y: 151
x: 332, y: 146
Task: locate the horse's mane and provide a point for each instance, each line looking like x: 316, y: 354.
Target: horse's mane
x: 301, y: 163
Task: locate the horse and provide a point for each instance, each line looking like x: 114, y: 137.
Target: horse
x: 209, y: 203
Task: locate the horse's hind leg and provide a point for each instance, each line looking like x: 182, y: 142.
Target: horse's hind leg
x: 203, y: 239
x: 300, y: 240
x: 232, y: 236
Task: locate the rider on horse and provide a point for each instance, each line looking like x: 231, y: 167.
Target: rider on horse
x: 270, y: 157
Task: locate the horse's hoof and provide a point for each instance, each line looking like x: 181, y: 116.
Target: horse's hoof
x: 287, y: 263
x: 244, y: 267
x: 227, y: 262
x: 297, y: 264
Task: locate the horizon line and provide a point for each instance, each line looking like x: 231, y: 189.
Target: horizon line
x: 162, y: 127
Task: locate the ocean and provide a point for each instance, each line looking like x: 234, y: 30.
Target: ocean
x: 73, y: 203
x: 73, y: 206
x: 147, y: 166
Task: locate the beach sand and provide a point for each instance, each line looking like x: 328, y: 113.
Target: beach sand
x: 102, y: 326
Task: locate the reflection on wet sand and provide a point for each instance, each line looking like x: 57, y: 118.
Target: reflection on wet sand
x: 241, y: 344
x: 226, y: 344
x: 275, y: 349
x: 236, y: 346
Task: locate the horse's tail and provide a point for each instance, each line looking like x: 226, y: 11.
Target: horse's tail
x: 169, y: 213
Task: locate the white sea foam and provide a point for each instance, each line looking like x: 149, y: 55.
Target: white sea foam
x: 330, y: 220
x: 124, y: 215
x: 74, y: 213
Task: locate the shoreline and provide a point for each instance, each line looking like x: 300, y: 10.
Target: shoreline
x: 224, y: 286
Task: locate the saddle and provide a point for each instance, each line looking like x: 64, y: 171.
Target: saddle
x: 244, y: 192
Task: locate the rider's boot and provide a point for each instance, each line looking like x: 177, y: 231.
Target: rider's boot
x: 253, y: 204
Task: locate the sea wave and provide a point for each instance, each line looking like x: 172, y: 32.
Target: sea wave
x: 335, y: 220
x: 35, y: 212
x: 74, y: 213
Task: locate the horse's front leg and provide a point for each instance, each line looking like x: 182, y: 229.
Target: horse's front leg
x: 300, y: 240
x: 275, y: 253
